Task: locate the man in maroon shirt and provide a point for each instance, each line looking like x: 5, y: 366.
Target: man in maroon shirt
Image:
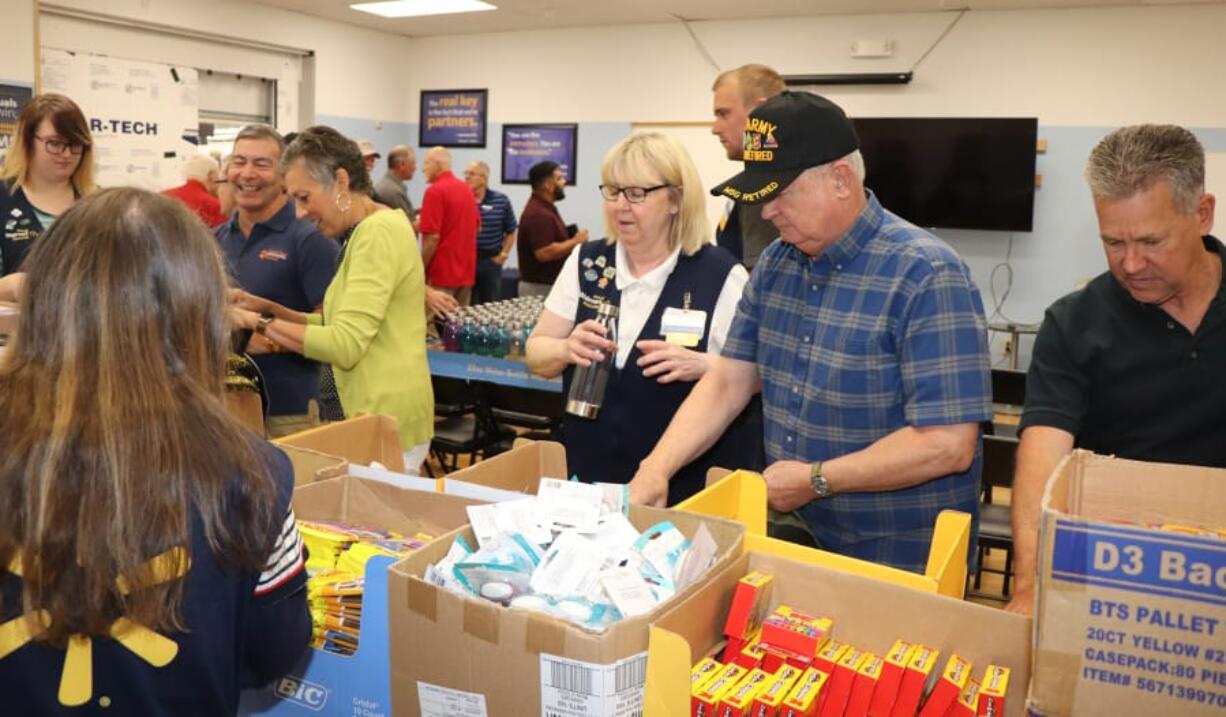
x: 448, y: 223
x: 199, y: 192
x: 544, y: 243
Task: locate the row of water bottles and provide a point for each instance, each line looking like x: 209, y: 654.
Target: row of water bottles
x: 499, y: 329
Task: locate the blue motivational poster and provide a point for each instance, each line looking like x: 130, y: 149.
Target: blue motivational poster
x: 453, y: 118
x: 523, y: 145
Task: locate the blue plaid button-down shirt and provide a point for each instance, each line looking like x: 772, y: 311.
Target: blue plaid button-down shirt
x: 884, y: 330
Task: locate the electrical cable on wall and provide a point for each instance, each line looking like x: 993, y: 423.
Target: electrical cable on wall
x: 702, y: 49
x: 944, y: 33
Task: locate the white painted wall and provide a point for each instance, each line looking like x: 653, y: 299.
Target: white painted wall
x: 17, y: 53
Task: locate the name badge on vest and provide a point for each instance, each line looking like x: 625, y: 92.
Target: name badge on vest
x: 683, y: 327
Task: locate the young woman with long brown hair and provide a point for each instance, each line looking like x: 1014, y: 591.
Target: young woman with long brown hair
x: 149, y: 562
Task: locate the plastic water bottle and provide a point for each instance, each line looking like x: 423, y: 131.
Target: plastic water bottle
x: 587, y: 386
x: 453, y: 331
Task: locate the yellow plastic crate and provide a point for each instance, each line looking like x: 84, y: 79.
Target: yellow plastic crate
x: 741, y: 496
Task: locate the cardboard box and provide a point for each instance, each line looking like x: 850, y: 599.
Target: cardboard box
x: 358, y: 684
x: 518, y: 662
x: 360, y: 440
x: 870, y: 613
x: 312, y: 466
x: 518, y: 470
x: 1129, y: 620
x: 247, y: 408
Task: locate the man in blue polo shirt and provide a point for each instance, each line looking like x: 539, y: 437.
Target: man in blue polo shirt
x: 867, y: 338
x: 495, y: 236
x: 273, y: 254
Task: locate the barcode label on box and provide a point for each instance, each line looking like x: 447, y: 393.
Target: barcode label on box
x: 571, y: 688
x: 438, y: 701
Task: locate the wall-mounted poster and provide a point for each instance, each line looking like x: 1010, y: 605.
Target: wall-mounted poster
x: 523, y: 145
x: 452, y: 118
x: 13, y: 99
x: 144, y: 116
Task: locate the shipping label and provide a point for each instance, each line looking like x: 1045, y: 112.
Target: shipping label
x: 572, y: 688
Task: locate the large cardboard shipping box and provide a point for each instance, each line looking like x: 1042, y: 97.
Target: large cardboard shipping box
x: 324, y: 683
x: 517, y: 470
x: 1131, y: 620
x: 457, y: 655
x: 360, y: 440
x: 311, y: 466
x: 868, y: 613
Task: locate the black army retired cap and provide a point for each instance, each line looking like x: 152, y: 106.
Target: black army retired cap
x: 784, y: 136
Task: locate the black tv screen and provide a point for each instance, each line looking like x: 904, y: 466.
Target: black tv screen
x: 953, y: 172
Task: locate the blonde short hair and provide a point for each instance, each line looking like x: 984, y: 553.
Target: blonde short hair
x: 650, y: 158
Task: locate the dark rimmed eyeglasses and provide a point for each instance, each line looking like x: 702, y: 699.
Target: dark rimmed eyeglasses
x: 59, y: 146
x: 634, y: 195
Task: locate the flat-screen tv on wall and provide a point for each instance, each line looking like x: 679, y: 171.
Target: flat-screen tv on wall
x: 953, y: 172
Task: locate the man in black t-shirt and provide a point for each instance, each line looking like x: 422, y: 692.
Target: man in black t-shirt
x: 1131, y: 365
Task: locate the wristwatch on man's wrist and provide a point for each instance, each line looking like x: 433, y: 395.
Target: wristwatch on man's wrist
x: 817, y: 481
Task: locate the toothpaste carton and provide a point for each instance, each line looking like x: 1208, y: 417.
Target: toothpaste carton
x: 951, y: 683
x: 923, y: 660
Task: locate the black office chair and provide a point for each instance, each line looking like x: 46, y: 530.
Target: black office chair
x: 540, y: 412
x: 995, y: 522
x: 470, y: 433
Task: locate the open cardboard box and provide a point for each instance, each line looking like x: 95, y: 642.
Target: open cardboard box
x: 518, y: 470
x: 867, y: 613
x: 1130, y: 620
x: 449, y: 649
x: 358, y: 684
x: 311, y: 466
x: 361, y: 441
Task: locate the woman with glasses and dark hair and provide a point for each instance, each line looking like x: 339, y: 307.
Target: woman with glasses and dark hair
x: 149, y: 559
x: 49, y: 165
x: 372, y: 329
x: 676, y: 294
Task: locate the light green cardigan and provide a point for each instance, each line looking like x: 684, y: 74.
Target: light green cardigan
x: 373, y: 327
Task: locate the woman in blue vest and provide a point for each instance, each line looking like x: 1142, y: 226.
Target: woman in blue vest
x: 657, y: 264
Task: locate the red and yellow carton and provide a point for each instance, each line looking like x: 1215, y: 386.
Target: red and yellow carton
x: 829, y: 655
x: 893, y: 665
x: 793, y: 633
x: 992, y: 691
x: 923, y: 660
x: 705, y: 700
x: 864, y: 686
x: 966, y: 703
x: 701, y: 673
x: 839, y: 690
x: 806, y: 694
x: 738, y: 701
x: 768, y: 699
x: 751, y: 656
x: 749, y: 603
x: 953, y: 680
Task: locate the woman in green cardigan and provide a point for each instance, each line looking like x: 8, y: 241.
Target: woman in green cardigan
x: 373, y: 326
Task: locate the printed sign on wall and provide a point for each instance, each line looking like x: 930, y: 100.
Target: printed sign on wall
x: 452, y: 118
x: 144, y: 116
x: 523, y: 145
x: 13, y: 99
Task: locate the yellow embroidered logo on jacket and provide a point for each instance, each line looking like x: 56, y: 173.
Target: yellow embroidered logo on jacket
x: 77, y: 677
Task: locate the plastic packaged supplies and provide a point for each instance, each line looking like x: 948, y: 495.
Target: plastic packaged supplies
x: 571, y: 552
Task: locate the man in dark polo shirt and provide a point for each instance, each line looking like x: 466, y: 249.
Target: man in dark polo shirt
x: 1131, y: 365
x: 544, y: 243
x: 273, y: 254
x: 448, y: 224
x: 497, y: 233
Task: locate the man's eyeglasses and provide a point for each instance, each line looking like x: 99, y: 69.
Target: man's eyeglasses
x: 634, y: 195
x: 59, y: 146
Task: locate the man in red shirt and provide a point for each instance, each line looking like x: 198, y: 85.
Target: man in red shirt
x: 199, y: 192
x: 448, y: 224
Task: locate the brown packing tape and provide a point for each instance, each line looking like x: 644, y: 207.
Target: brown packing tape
x: 545, y: 634
x: 481, y: 620
x: 423, y: 599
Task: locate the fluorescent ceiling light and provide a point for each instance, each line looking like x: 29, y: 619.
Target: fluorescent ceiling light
x: 417, y: 8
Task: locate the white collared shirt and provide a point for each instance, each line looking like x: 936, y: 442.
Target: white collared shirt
x: 639, y: 296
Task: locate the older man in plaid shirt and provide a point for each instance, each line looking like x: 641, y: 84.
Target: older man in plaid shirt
x: 867, y: 339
